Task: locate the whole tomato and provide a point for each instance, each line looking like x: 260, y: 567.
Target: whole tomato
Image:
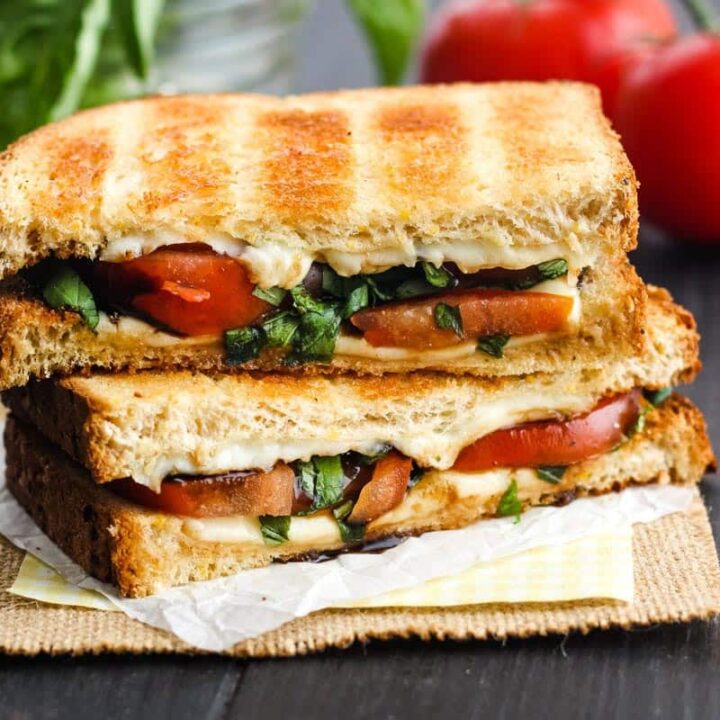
x: 588, y: 40
x: 668, y: 114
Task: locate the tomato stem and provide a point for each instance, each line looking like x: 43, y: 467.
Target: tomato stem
x: 702, y: 14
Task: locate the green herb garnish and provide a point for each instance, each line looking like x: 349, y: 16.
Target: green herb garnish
x: 447, y: 317
x: 65, y: 289
x: 551, y: 473
x: 510, y: 503
x: 272, y: 295
x: 275, y: 528
x: 438, y: 277
x: 329, y: 481
x: 357, y: 299
x: 658, y: 397
x: 243, y: 344
x: 350, y: 534
x: 493, y: 345
x: 552, y: 269
x: 414, y: 287
x: 416, y: 475
x: 639, y: 425
x: 281, y: 328
x: 315, y: 337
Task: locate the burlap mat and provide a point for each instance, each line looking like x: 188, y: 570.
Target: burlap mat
x: 676, y: 579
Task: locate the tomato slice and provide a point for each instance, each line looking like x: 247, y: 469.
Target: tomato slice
x: 257, y: 493
x: 386, y: 489
x: 412, y: 324
x: 190, y: 289
x: 554, y: 442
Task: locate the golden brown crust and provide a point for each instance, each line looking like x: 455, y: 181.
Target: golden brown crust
x: 144, y: 551
x: 36, y: 341
x: 510, y: 164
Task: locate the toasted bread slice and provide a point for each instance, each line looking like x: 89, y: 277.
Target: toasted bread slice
x: 36, y: 341
x: 149, y: 425
x: 494, y: 169
x: 144, y: 551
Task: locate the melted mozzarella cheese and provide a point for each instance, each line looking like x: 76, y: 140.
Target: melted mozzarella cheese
x: 275, y: 264
x: 320, y: 530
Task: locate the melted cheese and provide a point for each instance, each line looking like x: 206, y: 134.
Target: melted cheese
x: 320, y: 530
x: 280, y: 265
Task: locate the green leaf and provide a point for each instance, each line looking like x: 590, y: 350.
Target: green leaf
x: 332, y: 283
x: 315, y: 337
x: 243, y: 344
x: 305, y: 474
x: 94, y: 20
x: 447, y: 317
x: 552, y: 269
x: 510, y: 503
x: 272, y: 295
x: 329, y: 481
x: 65, y: 289
x: 551, y: 473
x: 416, y: 475
x: 438, y: 277
x: 275, y: 529
x: 358, y: 299
x: 138, y: 22
x: 392, y: 28
x: 493, y: 345
x: 639, y: 425
x: 350, y: 534
x: 280, y: 328
x: 379, y: 290
x: 658, y: 397
x: 415, y: 287
x: 304, y: 302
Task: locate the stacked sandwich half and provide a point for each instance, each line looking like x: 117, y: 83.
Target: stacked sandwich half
x: 238, y: 329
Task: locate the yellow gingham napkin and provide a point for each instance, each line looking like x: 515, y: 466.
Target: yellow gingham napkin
x: 594, y: 566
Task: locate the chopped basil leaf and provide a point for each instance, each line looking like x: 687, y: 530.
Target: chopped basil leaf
x: 639, y: 425
x: 272, y: 295
x: 315, y: 337
x: 438, y: 277
x: 414, y: 288
x: 65, y: 289
x: 281, y: 328
x: 305, y: 475
x: 358, y: 299
x: 447, y: 317
x: 379, y: 291
x: 243, y: 344
x: 329, y: 481
x: 551, y: 473
x: 552, y: 269
x: 304, y: 302
x: 493, y: 345
x: 350, y: 534
x: 510, y: 503
x: 658, y: 397
x: 275, y: 529
x: 332, y: 283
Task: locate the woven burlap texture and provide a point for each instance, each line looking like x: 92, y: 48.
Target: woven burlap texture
x: 676, y: 579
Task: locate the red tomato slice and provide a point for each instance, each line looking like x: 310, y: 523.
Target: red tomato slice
x: 412, y: 324
x: 554, y: 442
x: 190, y: 289
x: 386, y: 488
x: 261, y: 493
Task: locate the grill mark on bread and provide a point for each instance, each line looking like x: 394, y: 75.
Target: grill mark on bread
x: 75, y: 173
x: 309, y: 164
x: 183, y: 157
x: 438, y: 132
x: 522, y: 128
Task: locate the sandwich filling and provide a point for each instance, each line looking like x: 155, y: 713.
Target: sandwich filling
x: 353, y: 490
x: 194, y: 294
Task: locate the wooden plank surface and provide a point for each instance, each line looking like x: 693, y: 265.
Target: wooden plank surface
x: 656, y: 673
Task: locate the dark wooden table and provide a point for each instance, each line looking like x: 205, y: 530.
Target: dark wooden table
x: 664, y: 672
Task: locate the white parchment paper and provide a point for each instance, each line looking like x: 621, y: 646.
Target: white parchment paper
x: 215, y: 615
